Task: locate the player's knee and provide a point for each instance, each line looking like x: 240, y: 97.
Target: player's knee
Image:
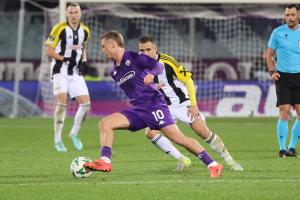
x: 150, y: 134
x: 62, y: 98
x: 101, y: 125
x: 284, y: 115
x: 105, y: 125
x: 147, y: 133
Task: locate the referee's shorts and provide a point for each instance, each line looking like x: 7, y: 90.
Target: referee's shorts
x: 288, y: 89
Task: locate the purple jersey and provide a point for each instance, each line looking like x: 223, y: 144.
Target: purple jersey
x: 150, y: 109
x: 130, y: 77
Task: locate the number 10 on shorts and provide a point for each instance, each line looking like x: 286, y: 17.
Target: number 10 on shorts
x: 158, y: 115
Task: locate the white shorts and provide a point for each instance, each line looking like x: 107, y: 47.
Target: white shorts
x: 180, y: 112
x: 73, y: 85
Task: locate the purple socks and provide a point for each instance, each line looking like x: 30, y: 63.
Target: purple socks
x: 205, y: 157
x: 105, y: 151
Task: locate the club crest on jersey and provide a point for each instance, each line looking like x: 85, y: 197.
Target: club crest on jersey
x: 127, y: 62
x: 126, y: 77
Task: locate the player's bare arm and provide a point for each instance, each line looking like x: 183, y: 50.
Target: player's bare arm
x: 84, y: 57
x: 51, y: 53
x: 193, y: 110
x: 271, y: 65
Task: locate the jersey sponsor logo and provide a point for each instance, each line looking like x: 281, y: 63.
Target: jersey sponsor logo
x: 126, y: 77
x: 74, y: 47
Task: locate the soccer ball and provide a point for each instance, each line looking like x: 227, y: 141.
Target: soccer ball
x: 77, y: 168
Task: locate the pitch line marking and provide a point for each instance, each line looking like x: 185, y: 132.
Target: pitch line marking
x: 149, y: 182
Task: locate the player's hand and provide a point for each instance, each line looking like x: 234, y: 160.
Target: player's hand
x: 83, y: 68
x: 148, y: 79
x: 70, y: 61
x: 160, y: 85
x: 275, y: 76
x: 193, y: 111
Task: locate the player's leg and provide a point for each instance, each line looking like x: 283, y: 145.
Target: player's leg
x: 59, y: 118
x: 78, y: 89
x: 80, y: 116
x: 295, y: 133
x: 202, y: 130
x: 60, y: 85
x: 215, y: 142
x: 282, y: 128
x: 161, y: 119
x: 284, y: 100
x: 166, y: 146
x: 175, y: 135
x: 106, y: 127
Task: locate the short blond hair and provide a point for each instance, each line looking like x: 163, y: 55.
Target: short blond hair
x: 115, y: 36
x: 72, y: 4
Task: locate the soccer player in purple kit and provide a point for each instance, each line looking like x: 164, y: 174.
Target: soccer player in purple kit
x: 134, y: 73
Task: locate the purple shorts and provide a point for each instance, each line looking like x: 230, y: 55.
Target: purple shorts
x: 155, y: 117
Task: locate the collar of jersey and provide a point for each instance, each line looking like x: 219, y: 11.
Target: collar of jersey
x: 72, y: 28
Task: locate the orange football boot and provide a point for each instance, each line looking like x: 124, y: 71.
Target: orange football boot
x: 98, y: 165
x: 215, y: 171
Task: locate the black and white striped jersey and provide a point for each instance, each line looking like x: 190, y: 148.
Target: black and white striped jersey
x: 172, y: 79
x: 67, y: 42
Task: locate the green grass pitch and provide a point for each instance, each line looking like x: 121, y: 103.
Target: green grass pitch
x: 32, y: 169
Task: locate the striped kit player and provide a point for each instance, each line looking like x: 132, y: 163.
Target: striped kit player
x: 176, y: 84
x: 68, y: 43
x: 171, y: 82
x: 66, y: 46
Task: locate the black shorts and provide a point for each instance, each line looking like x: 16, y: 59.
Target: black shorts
x: 288, y: 89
